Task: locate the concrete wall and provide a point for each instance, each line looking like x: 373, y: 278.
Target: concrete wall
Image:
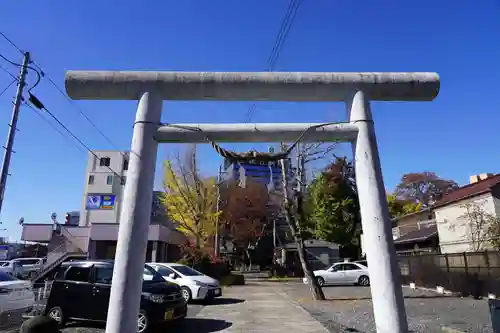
x: 455, y: 230
x: 37, y: 232
x: 157, y: 232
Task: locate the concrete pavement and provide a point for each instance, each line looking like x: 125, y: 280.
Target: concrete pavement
x: 277, y: 307
x: 253, y: 309
x: 248, y: 309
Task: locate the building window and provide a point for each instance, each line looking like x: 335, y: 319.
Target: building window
x: 109, y: 180
x: 123, y: 180
x: 91, y: 179
x: 105, y: 161
x: 125, y: 164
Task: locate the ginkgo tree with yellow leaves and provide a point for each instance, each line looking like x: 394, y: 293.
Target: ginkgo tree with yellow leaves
x: 191, y: 200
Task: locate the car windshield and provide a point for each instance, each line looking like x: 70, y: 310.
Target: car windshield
x: 6, y: 277
x: 150, y: 275
x: 186, y: 271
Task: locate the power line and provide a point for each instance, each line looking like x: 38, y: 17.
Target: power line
x: 82, y: 113
x: 54, y: 127
x: 44, y: 74
x: 9, y: 73
x: 283, y: 34
x: 39, y: 77
x: 281, y: 38
x: 11, y: 42
x: 39, y: 105
x: 7, y: 88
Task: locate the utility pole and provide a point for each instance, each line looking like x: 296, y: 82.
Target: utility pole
x: 216, y: 241
x: 13, y: 127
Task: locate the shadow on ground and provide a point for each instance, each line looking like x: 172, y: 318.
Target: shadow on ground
x: 200, y: 325
x: 340, y: 298
x: 224, y: 301
x: 187, y: 325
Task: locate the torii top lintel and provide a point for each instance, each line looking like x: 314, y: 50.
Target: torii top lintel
x: 252, y: 86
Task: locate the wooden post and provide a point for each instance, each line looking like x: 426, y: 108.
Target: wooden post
x: 466, y: 266
x: 487, y: 261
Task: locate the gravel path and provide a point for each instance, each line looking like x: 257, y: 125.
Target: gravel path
x: 349, y: 309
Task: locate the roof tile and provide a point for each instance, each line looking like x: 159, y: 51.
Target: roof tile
x: 469, y: 190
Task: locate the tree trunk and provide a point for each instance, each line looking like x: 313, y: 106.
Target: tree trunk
x: 249, y: 260
x: 296, y: 231
x: 316, y: 290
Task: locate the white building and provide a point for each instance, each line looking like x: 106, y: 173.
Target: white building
x: 105, y: 178
x: 97, y: 232
x: 460, y: 214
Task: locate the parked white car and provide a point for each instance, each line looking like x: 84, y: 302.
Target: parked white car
x: 343, y: 273
x: 194, y: 285
x: 23, y: 267
x: 16, y: 296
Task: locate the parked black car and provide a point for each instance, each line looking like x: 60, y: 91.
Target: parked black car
x: 81, y: 292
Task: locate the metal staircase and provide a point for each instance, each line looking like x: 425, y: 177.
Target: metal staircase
x: 62, y: 249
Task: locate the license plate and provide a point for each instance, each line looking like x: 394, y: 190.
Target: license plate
x: 217, y: 292
x: 169, y: 315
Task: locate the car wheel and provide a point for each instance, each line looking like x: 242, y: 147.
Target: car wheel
x: 364, y: 280
x: 321, y: 281
x: 57, y: 314
x: 142, y: 322
x: 186, y: 294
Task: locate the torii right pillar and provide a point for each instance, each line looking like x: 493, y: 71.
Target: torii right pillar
x: 385, y: 282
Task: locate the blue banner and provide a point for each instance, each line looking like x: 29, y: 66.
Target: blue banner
x: 105, y: 201
x: 108, y: 201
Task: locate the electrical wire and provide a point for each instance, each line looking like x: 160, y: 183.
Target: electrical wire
x: 54, y: 127
x: 7, y: 88
x: 282, y: 36
x: 39, y: 105
x: 43, y: 74
x: 39, y: 77
x: 285, y: 27
x: 82, y: 113
x: 9, y: 73
x: 11, y: 42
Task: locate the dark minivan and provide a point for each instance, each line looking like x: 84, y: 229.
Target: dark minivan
x: 81, y: 291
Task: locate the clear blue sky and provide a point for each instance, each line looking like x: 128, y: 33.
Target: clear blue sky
x: 455, y: 136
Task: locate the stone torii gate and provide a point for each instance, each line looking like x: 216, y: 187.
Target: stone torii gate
x: 355, y: 89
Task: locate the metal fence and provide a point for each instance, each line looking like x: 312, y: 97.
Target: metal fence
x: 11, y: 317
x: 470, y: 273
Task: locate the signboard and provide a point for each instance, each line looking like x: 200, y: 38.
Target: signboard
x: 100, y: 201
x: 108, y: 201
x: 4, y: 252
x: 93, y: 202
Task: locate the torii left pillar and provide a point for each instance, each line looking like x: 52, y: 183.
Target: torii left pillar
x: 150, y: 88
